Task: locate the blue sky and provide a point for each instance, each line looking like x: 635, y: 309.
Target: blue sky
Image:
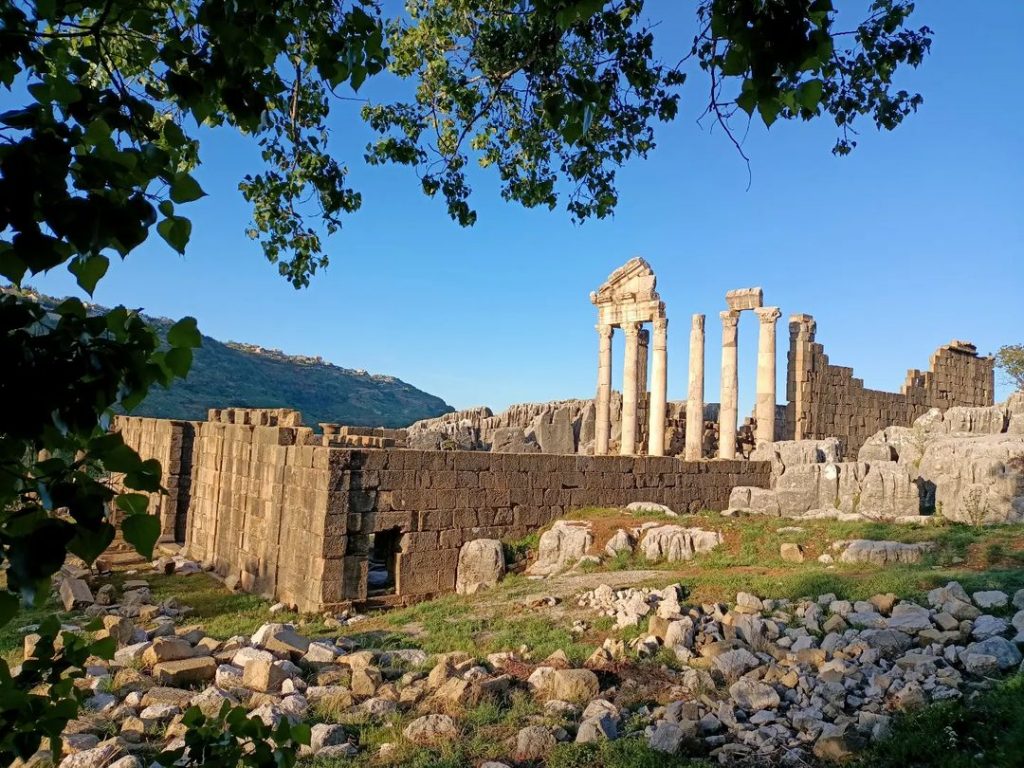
x: 915, y: 239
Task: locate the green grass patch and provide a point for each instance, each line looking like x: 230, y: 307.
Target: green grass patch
x: 988, y: 731
x: 623, y: 753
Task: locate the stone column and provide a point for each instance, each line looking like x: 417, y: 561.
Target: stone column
x: 627, y: 446
x: 643, y: 342
x: 764, y: 408
x: 695, y: 394
x: 602, y: 420
x: 728, y: 411
x: 659, y: 389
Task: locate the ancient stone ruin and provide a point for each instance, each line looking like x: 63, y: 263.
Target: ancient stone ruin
x: 285, y: 512
x: 371, y: 515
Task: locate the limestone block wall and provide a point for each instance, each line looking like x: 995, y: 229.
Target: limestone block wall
x: 285, y: 514
x: 171, y: 443
x: 260, y: 506
x: 826, y: 400
x: 435, y: 501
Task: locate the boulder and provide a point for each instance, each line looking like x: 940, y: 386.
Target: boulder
x: 185, y: 672
x: 513, y: 440
x: 882, y: 552
x: 752, y: 695
x: 431, y: 730
x: 166, y: 649
x: 264, y: 675
x: 75, y: 593
x: 534, y: 742
x: 791, y: 553
x: 675, y: 543
x: 554, y: 432
x: 561, y: 546
x: 991, y: 599
x: 481, y: 565
x: 1002, y: 650
x: 650, y: 507
x: 975, y: 479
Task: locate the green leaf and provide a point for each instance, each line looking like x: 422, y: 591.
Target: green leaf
x: 119, y: 458
x: 809, y: 94
x: 185, y: 333
x: 88, y: 270
x: 141, y: 531
x: 176, y: 231
x: 185, y: 189
x: 769, y: 110
x: 179, y: 360
x: 132, y: 503
x: 89, y: 543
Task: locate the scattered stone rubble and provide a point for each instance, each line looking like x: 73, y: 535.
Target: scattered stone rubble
x: 769, y: 680
x: 776, y: 680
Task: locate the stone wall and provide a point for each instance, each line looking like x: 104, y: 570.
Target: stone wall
x: 826, y: 400
x: 280, y: 511
x: 170, y: 442
x: 438, y: 500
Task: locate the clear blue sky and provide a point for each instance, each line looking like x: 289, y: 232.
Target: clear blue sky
x: 915, y: 239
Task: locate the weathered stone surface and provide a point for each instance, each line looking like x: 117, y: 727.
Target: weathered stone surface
x: 185, y: 672
x: 752, y: 695
x: 791, y: 553
x: 561, y: 546
x: 264, y: 675
x: 650, y: 507
x: 882, y: 552
x: 534, y: 742
x: 431, y: 730
x: 75, y: 593
x: 481, y: 565
x: 675, y: 543
x: 166, y: 649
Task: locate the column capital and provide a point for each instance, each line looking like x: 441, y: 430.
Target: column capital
x: 644, y: 337
x: 730, y: 318
x: 697, y: 322
x: 768, y: 315
x: 604, y: 330
x: 631, y: 329
x: 660, y: 323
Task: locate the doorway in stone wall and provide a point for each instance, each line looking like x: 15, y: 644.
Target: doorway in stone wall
x: 383, y: 559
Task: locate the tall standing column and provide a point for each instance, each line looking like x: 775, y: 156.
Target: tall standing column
x: 693, y: 450
x: 659, y: 389
x: 643, y: 342
x: 764, y: 408
x: 728, y: 411
x: 627, y: 445
x: 602, y: 420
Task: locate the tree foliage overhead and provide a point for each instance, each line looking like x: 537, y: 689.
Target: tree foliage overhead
x: 100, y: 149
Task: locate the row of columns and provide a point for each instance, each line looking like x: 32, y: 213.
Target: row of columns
x: 634, y: 383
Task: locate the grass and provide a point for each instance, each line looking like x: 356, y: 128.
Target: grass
x: 623, y: 753
x: 988, y: 731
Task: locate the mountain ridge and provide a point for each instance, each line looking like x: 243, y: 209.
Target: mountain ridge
x: 232, y: 374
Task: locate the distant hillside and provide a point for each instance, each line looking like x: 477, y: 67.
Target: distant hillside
x: 242, y: 375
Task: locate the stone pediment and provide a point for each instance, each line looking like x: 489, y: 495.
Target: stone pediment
x: 633, y: 282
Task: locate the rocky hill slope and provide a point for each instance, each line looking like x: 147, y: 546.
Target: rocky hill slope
x: 228, y: 374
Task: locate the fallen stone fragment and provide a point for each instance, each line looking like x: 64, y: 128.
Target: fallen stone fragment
x: 185, y: 672
x: 75, y: 593
x: 431, y: 730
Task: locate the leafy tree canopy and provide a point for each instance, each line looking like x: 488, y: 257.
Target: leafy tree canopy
x: 1010, y: 360
x: 101, y: 151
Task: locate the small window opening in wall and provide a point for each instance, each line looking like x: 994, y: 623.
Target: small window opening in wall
x: 380, y: 579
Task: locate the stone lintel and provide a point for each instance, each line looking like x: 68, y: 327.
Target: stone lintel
x: 744, y: 298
